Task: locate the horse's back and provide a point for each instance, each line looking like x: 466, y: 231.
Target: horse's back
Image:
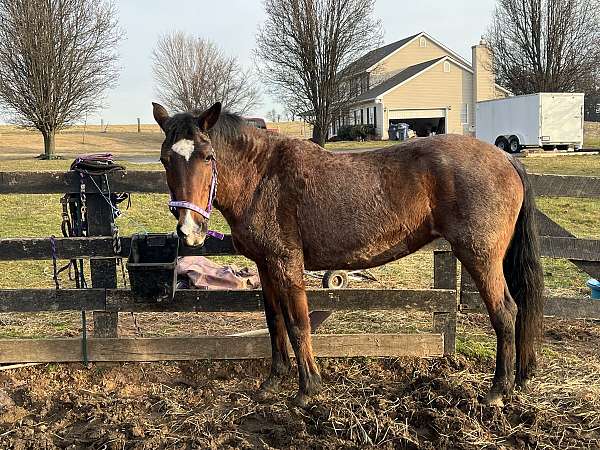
x: 477, y: 192
x: 368, y: 208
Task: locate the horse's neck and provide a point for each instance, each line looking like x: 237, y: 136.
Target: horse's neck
x: 242, y: 165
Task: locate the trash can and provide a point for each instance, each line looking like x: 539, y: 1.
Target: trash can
x: 403, y: 131
x: 393, y: 132
x: 594, y: 285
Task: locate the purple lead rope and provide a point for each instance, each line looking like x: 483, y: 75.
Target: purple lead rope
x: 175, y: 204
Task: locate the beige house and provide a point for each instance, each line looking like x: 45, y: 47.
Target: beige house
x: 421, y: 82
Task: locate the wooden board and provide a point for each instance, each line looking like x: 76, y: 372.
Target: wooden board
x: 155, y: 181
x: 35, y: 300
x: 567, y: 307
x: 565, y: 186
x: 103, y: 271
x: 445, y: 277
x: 15, y: 249
x: 570, y: 248
x: 32, y: 300
x: 215, y: 347
x: 548, y: 227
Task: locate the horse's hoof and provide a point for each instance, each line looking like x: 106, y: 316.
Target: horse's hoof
x: 523, y: 384
x: 271, y: 385
x: 314, y: 385
x: 300, y: 400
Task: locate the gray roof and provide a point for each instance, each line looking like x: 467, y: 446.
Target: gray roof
x: 400, y: 77
x: 374, y: 56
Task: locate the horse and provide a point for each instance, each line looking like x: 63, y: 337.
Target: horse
x: 291, y: 205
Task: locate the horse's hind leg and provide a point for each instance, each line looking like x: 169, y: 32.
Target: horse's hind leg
x: 280, y: 359
x: 502, y: 309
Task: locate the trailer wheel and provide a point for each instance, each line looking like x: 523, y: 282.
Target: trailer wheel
x: 502, y: 143
x: 562, y: 147
x: 548, y: 148
x: 513, y: 145
x: 335, y: 279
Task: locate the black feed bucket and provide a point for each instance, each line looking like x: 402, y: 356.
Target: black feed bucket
x: 151, y: 266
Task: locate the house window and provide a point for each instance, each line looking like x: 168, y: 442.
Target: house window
x: 354, y: 114
x: 597, y: 108
x: 446, y: 67
x: 362, y: 116
x: 422, y: 42
x: 375, y: 116
x: 464, y: 114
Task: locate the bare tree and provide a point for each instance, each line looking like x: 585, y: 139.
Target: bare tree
x: 289, y: 114
x: 57, y: 59
x: 546, y: 45
x: 272, y: 115
x: 305, y: 44
x: 193, y: 73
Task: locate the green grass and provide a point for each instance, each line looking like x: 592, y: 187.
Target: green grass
x: 480, y: 348
x: 581, y: 216
x: 588, y: 165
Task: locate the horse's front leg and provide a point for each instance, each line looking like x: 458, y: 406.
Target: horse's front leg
x: 287, y: 277
x: 280, y: 359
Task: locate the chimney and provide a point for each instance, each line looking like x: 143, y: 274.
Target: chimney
x: 483, y: 76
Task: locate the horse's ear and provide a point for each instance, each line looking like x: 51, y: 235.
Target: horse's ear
x: 209, y: 117
x: 160, y: 115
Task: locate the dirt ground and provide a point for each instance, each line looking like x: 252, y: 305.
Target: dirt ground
x: 366, y: 403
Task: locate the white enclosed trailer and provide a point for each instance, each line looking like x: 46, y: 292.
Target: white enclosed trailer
x: 537, y: 120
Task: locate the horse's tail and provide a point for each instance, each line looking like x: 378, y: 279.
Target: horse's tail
x: 525, y: 279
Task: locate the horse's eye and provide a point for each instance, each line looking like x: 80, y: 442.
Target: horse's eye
x: 209, y: 157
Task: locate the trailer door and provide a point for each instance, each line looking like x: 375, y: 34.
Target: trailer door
x: 562, y: 118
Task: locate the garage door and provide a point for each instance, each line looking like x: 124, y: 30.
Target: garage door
x: 416, y: 113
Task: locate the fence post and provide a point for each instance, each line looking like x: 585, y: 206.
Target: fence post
x: 444, y: 277
x: 103, y: 271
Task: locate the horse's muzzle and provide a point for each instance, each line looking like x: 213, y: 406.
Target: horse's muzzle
x: 193, y: 239
x: 191, y: 233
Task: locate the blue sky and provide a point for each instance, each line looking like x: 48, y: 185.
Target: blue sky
x: 233, y: 23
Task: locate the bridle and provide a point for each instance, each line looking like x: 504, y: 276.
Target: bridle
x: 175, y: 205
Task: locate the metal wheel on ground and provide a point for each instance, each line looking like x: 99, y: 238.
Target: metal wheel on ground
x: 502, y: 143
x: 513, y: 145
x: 335, y: 279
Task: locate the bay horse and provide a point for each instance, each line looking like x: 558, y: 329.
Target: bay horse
x: 292, y: 205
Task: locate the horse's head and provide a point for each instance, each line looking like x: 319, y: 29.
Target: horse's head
x: 189, y: 160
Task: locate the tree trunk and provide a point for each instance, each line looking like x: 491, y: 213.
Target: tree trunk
x: 49, y: 144
x: 319, y: 135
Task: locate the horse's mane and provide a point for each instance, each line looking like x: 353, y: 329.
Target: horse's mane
x: 227, y: 129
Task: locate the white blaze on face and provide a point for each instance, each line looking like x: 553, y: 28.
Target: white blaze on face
x: 188, y: 227
x: 184, y: 147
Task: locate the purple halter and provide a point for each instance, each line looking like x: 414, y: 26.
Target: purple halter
x: 174, y: 205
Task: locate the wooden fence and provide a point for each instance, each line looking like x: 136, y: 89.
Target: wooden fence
x: 106, y: 301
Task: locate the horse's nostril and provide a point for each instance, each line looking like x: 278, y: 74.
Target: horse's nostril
x: 179, y: 232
